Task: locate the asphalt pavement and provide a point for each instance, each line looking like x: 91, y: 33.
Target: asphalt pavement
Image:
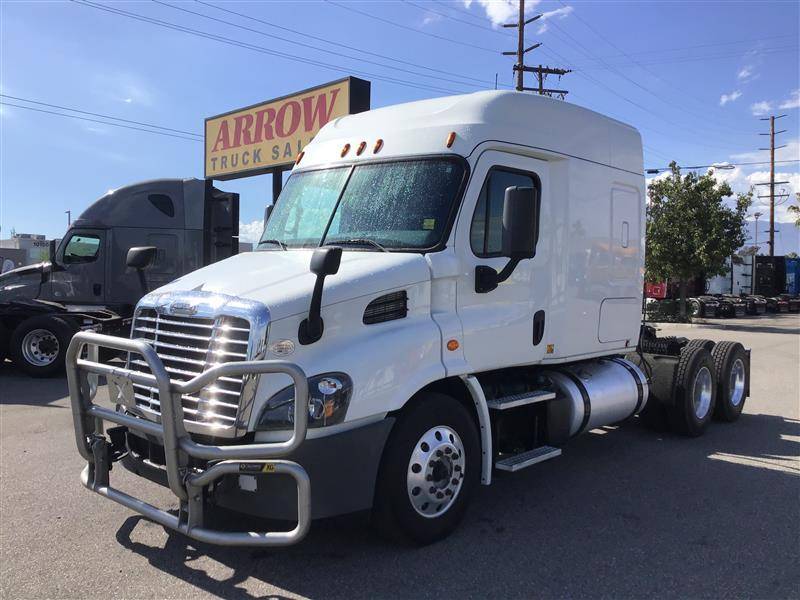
x: 623, y: 513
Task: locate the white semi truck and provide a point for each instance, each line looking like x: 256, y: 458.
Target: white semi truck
x: 445, y: 288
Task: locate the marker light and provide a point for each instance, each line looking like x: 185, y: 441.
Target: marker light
x: 345, y: 150
x: 451, y: 138
x: 299, y: 158
x: 452, y: 345
x: 378, y: 146
x: 361, y: 147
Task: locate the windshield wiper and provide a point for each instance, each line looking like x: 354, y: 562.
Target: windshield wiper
x: 357, y: 242
x: 276, y: 242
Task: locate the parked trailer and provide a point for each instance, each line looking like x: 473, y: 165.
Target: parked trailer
x: 90, y: 285
x: 447, y: 288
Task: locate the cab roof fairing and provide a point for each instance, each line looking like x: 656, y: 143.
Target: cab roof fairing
x: 422, y: 127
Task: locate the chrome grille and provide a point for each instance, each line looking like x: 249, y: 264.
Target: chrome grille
x: 188, y: 346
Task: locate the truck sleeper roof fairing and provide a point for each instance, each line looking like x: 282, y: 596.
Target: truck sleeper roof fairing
x: 552, y: 127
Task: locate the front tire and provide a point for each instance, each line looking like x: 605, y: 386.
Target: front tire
x: 430, y: 468
x: 39, y: 345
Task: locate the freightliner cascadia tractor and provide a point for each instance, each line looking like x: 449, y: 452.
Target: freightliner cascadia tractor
x: 445, y: 289
x: 173, y: 226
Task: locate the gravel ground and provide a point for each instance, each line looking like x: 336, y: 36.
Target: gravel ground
x: 623, y: 513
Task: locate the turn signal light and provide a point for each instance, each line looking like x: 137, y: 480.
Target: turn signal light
x: 361, y: 147
x: 345, y: 150
x: 452, y: 345
x: 451, y: 138
x: 378, y: 146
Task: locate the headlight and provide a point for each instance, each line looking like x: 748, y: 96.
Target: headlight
x: 329, y: 397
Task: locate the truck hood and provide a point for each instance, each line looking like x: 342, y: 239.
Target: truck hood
x: 283, y: 282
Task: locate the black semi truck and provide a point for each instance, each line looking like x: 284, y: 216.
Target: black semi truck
x: 92, y: 283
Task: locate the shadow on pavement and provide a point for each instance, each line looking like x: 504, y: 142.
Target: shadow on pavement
x: 625, y: 512
x: 16, y: 387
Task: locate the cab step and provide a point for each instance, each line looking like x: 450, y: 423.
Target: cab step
x: 516, y: 462
x: 516, y: 400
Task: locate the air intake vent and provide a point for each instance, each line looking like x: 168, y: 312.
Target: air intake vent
x: 386, y: 308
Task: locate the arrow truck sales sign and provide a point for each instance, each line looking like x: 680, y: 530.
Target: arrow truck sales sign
x: 269, y: 136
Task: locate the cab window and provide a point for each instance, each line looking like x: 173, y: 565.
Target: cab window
x: 81, y: 249
x: 486, y: 232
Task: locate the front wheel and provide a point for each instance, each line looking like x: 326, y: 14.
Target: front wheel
x: 429, y: 471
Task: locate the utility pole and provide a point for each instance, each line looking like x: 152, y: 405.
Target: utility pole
x: 772, y: 183
x: 757, y: 216
x: 520, y: 69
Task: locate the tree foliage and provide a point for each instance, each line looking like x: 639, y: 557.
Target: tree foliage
x: 690, y: 229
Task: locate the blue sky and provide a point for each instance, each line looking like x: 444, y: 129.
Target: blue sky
x: 694, y: 77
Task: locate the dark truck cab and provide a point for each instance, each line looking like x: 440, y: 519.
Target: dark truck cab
x: 88, y: 284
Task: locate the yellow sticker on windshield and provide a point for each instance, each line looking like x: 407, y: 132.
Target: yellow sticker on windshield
x: 429, y: 223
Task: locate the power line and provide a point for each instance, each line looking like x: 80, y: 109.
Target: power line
x: 86, y: 112
x: 261, y: 49
x: 304, y: 45
x: 720, y: 165
x: 409, y: 28
x: 333, y: 43
x: 51, y: 112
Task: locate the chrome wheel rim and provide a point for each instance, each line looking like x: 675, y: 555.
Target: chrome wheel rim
x: 435, y: 472
x: 40, y: 347
x: 736, y: 385
x: 701, y: 393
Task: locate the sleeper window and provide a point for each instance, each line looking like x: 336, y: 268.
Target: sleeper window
x: 486, y: 233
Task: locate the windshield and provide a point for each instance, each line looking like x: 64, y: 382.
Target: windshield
x: 404, y: 204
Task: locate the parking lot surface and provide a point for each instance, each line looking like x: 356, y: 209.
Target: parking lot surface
x: 625, y: 512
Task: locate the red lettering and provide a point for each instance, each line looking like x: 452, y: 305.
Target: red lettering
x: 321, y: 111
x: 223, y: 137
x: 241, y: 130
x: 264, y: 129
x: 280, y: 120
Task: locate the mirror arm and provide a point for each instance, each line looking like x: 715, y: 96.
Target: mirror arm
x: 487, y: 279
x: 312, y: 327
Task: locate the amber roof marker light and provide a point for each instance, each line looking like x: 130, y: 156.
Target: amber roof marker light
x: 451, y: 138
x: 378, y: 146
x: 345, y: 150
x: 299, y: 158
x: 361, y: 148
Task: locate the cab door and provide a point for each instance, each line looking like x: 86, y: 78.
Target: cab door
x: 501, y: 327
x: 80, y: 274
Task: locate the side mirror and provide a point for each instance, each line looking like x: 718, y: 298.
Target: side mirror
x: 52, y: 249
x: 324, y: 262
x: 519, y: 223
x: 520, y: 234
x: 141, y: 257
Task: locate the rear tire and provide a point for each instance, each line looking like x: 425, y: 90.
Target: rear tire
x: 429, y: 470
x: 700, y: 343
x: 694, y: 392
x: 39, y: 345
x: 730, y: 369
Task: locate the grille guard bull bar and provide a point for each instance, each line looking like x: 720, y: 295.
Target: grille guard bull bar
x: 188, y: 484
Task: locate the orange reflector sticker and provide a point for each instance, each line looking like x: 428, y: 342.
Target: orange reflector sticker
x: 345, y: 150
x: 452, y: 345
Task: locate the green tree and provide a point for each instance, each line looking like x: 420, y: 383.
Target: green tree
x: 690, y: 229
x: 794, y: 210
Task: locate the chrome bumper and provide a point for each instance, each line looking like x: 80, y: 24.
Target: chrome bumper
x: 187, y: 483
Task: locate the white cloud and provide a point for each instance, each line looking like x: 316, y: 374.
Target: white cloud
x: 559, y: 13
x: 431, y: 18
x: 761, y: 108
x: 503, y: 11
x: 793, y: 101
x: 746, y: 73
x: 251, y: 232
x: 542, y: 28
x: 732, y: 97
x: 790, y: 152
